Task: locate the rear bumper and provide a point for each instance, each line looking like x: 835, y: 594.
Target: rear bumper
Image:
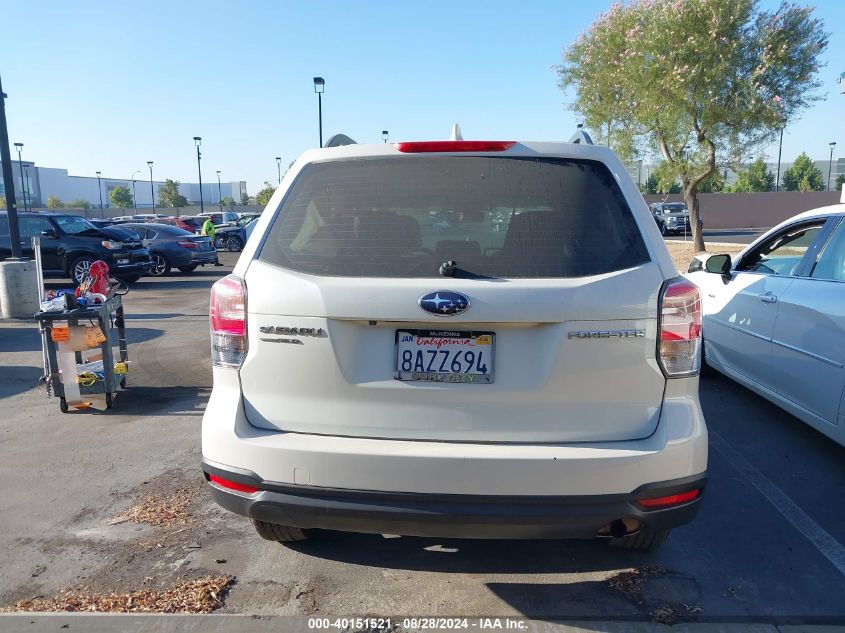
x: 451, y: 488
x: 451, y: 516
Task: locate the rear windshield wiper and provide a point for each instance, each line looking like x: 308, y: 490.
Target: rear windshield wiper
x: 451, y: 269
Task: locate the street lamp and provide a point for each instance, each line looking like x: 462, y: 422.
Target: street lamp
x: 9, y: 180
x: 28, y: 194
x: 384, y: 135
x: 152, y: 191
x: 320, y: 88
x: 19, y: 147
x: 100, y: 191
x: 219, y: 192
x: 134, y: 199
x: 198, y: 141
x: 832, y: 144
x: 780, y: 150
x: 279, y: 167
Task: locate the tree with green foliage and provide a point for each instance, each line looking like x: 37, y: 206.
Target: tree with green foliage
x: 54, y: 202
x: 714, y: 183
x: 803, y: 175
x: 756, y: 177
x: 840, y: 179
x: 664, y: 179
x: 228, y: 201
x: 78, y: 203
x: 120, y: 197
x: 263, y: 196
x: 699, y: 81
x: 2, y: 202
x: 169, y: 196
x: 244, y: 198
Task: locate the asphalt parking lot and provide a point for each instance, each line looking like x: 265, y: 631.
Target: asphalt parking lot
x: 769, y: 543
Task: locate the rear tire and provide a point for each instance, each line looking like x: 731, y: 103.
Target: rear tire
x: 280, y: 533
x: 645, y: 540
x: 130, y: 279
x: 161, y: 265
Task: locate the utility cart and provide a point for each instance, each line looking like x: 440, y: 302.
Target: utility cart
x: 83, y: 331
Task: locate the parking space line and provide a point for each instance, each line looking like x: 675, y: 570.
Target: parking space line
x: 812, y: 531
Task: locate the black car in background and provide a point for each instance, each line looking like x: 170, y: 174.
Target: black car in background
x: 172, y: 247
x: 70, y: 244
x: 233, y: 237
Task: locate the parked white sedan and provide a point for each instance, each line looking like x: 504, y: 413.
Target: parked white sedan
x: 774, y: 319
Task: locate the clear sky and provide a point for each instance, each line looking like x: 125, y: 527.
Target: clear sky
x: 109, y: 85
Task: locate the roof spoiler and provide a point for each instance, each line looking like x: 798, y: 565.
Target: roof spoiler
x: 581, y: 137
x: 338, y: 140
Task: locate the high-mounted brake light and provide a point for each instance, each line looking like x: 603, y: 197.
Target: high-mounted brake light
x: 232, y: 485
x: 419, y: 147
x: 227, y: 315
x: 679, y: 347
x: 669, y: 500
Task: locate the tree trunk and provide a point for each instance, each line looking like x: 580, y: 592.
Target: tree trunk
x: 691, y: 200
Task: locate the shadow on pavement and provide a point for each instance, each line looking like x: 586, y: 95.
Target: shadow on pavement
x: 138, y: 402
x: 23, y: 339
x: 15, y: 379
x: 468, y: 555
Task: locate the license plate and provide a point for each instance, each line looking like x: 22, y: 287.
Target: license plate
x: 122, y: 261
x: 444, y: 356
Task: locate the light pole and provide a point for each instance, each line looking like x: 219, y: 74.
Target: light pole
x: 134, y: 199
x: 279, y: 167
x: 100, y: 191
x: 19, y: 147
x: 27, y: 192
x: 780, y: 149
x: 832, y: 144
x: 198, y: 141
x: 152, y: 191
x: 9, y: 180
x: 219, y: 192
x: 320, y: 88
x: 384, y: 135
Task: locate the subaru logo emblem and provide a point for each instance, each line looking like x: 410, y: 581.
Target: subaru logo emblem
x: 444, y: 303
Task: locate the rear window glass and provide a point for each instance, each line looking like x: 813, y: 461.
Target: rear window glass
x: 494, y: 217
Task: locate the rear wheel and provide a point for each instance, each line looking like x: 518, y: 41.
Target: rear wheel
x: 161, y: 265
x: 188, y: 269
x: 645, y: 540
x: 233, y: 244
x: 280, y: 533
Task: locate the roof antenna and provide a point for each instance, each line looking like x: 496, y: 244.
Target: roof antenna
x: 456, y: 133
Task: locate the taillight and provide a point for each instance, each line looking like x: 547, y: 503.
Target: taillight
x: 669, y: 500
x: 679, y: 348
x: 187, y: 244
x: 417, y: 147
x: 232, y: 485
x: 228, y: 322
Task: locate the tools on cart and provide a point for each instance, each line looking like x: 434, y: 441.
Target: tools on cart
x: 77, y: 334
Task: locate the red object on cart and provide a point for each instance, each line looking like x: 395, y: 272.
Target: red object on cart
x: 97, y: 280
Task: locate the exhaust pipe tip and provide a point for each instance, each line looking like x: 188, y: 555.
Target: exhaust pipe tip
x: 619, y: 528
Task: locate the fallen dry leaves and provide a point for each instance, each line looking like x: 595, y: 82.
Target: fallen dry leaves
x: 202, y: 595
x: 161, y: 510
x: 631, y: 582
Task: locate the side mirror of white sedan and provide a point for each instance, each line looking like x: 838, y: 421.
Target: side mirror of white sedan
x: 719, y: 264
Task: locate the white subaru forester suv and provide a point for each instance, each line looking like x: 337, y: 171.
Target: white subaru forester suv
x: 474, y: 339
